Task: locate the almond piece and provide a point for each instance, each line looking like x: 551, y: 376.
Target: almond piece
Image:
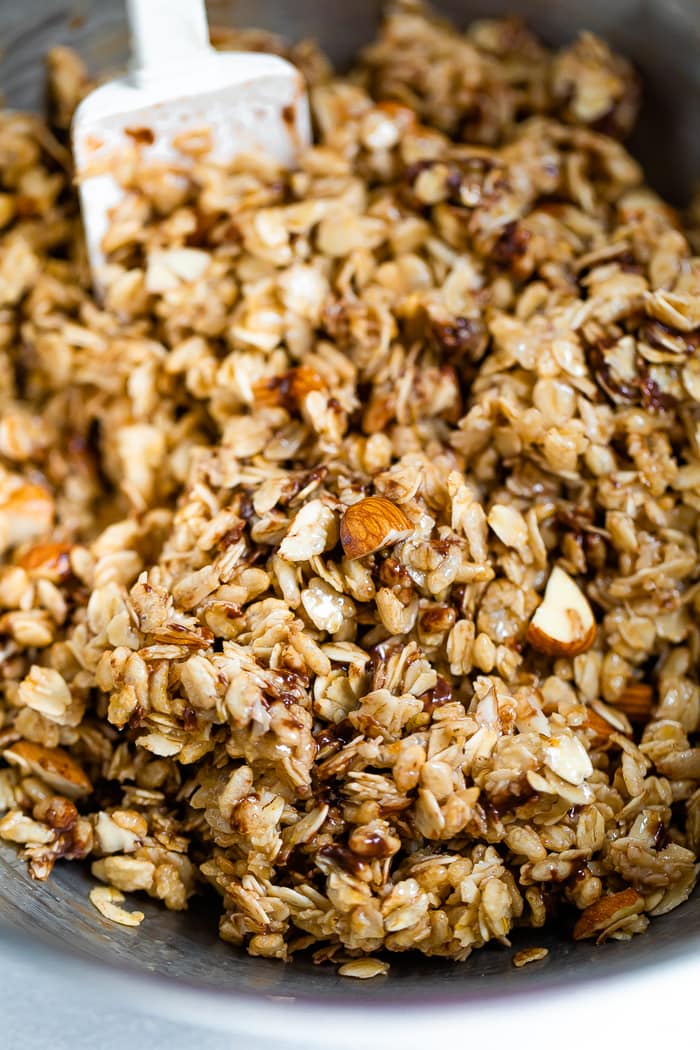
x: 599, y: 727
x: 636, y: 701
x: 53, y: 765
x: 289, y: 389
x: 606, y: 911
x: 25, y: 514
x: 168, y: 268
x: 8, y: 209
x: 566, y: 756
x: 372, y: 524
x: 563, y: 625
x: 50, y: 561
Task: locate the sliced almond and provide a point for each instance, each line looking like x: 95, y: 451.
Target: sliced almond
x: 636, y: 701
x: 563, y: 625
x: 372, y: 524
x: 53, y: 765
x: 607, y: 911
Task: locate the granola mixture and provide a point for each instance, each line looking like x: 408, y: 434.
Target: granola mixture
x: 350, y: 547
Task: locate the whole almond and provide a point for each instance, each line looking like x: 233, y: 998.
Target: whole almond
x: 606, y: 911
x: 636, y: 701
x: 372, y: 524
x: 52, y: 765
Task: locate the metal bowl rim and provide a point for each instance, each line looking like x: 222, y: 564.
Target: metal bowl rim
x: 160, y: 990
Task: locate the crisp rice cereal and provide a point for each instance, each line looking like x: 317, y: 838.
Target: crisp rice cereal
x: 276, y: 516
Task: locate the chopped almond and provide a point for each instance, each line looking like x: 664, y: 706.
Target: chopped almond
x: 636, y: 701
x: 563, y: 625
x: 289, y: 389
x: 598, y: 726
x: 606, y: 911
x: 372, y: 524
x: 25, y: 514
x: 53, y: 765
x: 49, y: 560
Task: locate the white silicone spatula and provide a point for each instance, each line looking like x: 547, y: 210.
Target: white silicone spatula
x: 245, y: 103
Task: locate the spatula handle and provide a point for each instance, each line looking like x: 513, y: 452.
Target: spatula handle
x: 166, y: 34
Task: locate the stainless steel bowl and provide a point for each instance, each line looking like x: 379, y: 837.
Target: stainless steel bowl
x: 174, y: 965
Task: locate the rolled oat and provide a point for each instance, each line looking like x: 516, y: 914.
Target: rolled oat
x: 283, y: 519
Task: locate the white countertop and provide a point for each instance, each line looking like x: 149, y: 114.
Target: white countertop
x: 40, y: 1011
x: 44, y: 1011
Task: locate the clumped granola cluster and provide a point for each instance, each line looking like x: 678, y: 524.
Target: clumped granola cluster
x: 350, y: 546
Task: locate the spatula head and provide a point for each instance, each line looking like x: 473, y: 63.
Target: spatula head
x: 234, y: 103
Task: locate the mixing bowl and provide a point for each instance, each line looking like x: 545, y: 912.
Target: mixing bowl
x: 174, y: 965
